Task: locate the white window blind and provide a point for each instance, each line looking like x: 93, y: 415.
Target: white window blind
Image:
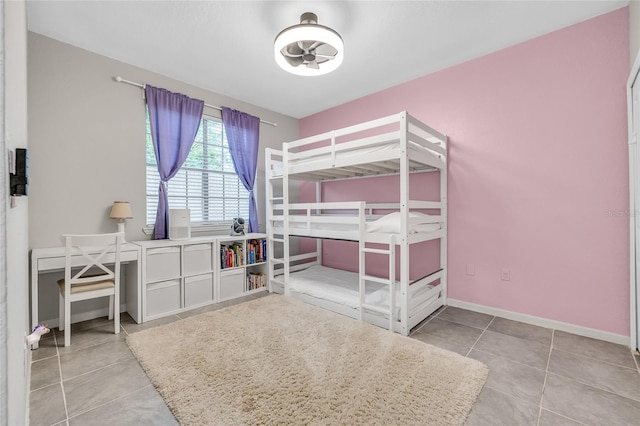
x: 207, y: 183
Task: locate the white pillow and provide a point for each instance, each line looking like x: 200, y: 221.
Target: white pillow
x: 390, y: 224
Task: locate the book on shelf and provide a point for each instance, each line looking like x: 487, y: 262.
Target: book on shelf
x: 256, y: 280
x: 231, y: 256
x: 256, y: 251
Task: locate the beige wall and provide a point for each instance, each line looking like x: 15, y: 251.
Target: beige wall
x: 87, y: 143
x: 634, y: 29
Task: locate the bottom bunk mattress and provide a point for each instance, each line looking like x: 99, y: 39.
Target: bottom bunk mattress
x: 342, y: 287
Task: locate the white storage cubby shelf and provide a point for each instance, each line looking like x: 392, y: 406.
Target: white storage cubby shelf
x: 241, y: 265
x: 181, y: 275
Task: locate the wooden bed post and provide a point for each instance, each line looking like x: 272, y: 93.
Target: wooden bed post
x: 444, y: 223
x: 392, y: 281
x: 285, y: 217
x: 319, y: 211
x: 269, y: 214
x: 361, y: 261
x: 404, y: 222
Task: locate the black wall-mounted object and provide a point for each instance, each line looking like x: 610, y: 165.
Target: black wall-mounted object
x: 19, y: 182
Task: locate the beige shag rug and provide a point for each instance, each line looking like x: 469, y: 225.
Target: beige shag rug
x: 276, y: 360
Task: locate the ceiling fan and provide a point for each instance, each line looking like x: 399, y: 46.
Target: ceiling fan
x: 308, y: 53
x: 308, y: 48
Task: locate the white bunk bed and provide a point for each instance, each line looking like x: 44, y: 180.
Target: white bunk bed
x: 397, y: 144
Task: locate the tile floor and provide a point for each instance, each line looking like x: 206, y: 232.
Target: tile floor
x: 537, y: 376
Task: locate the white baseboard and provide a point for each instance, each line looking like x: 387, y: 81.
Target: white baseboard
x: 84, y: 316
x: 542, y: 322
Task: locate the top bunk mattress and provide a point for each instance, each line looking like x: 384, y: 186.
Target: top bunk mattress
x: 351, y: 155
x: 375, y: 147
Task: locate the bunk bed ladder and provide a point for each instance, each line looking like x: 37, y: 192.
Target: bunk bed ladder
x: 275, y: 241
x: 391, y: 281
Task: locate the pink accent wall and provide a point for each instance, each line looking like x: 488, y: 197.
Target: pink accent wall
x: 538, y: 172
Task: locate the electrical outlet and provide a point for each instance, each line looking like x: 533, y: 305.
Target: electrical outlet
x: 471, y: 269
x: 505, y: 274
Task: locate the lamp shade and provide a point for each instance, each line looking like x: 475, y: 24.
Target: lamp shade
x: 121, y: 210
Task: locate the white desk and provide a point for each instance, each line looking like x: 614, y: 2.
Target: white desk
x: 52, y: 259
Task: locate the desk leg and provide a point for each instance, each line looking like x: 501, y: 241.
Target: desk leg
x: 34, y: 297
x: 133, y: 280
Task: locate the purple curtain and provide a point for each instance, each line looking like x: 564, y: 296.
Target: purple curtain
x: 174, y: 120
x: 243, y: 131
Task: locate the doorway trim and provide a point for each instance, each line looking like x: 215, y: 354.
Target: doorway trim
x: 633, y: 120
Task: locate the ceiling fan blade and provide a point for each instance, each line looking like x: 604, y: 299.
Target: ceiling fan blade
x: 306, y: 44
x: 326, y: 50
x: 291, y: 50
x: 294, y: 61
x: 315, y: 45
x: 313, y: 64
x: 318, y: 55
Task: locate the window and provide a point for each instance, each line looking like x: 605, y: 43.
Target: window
x: 207, y: 183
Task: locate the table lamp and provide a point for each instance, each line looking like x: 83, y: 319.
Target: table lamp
x: 121, y: 210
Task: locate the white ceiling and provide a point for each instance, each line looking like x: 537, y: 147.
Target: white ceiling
x: 227, y: 46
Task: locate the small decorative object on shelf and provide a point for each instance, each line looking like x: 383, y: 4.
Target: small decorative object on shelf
x: 237, y: 228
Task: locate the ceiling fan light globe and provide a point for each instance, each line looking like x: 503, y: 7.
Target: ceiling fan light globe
x: 308, y: 32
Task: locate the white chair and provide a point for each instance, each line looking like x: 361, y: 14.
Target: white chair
x: 98, y: 256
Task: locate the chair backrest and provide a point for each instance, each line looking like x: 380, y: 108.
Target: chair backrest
x: 91, y: 252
